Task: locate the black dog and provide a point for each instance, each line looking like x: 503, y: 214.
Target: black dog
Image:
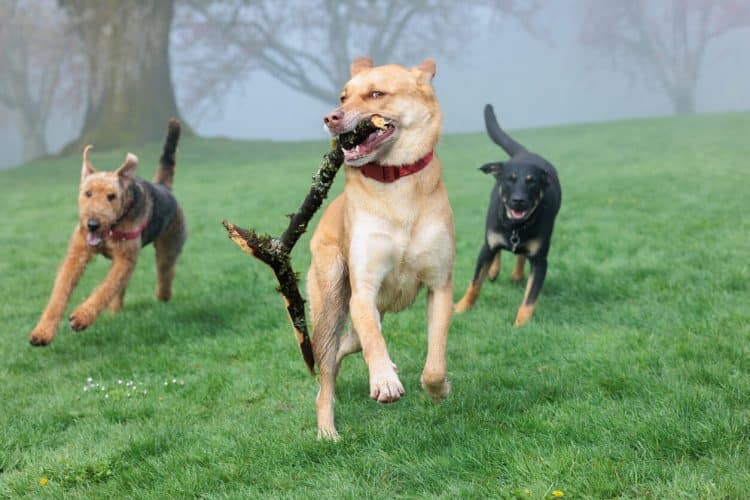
x: 523, y: 205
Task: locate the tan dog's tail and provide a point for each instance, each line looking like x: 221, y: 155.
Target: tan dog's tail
x: 165, y: 172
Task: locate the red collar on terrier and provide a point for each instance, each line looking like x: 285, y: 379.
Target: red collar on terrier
x: 123, y: 235
x: 391, y: 173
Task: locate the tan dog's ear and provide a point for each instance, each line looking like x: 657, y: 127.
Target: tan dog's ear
x: 425, y: 71
x: 88, y: 168
x: 359, y: 64
x: 126, y: 172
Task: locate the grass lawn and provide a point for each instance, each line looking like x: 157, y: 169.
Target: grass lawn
x: 632, y: 379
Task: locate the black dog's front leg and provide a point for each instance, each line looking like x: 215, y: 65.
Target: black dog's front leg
x: 533, y: 287
x: 484, y: 260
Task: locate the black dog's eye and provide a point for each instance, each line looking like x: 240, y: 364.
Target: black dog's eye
x: 513, y: 177
x: 111, y: 196
x: 88, y: 194
x: 375, y: 94
x: 530, y: 180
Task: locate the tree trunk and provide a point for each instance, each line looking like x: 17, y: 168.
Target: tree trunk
x: 683, y: 100
x: 34, y: 140
x: 130, y: 92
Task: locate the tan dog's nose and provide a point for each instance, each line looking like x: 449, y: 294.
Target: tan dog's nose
x: 333, y: 120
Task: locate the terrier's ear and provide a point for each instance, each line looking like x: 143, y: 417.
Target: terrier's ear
x: 126, y: 172
x: 88, y: 168
x: 425, y: 71
x: 359, y: 64
x: 495, y: 168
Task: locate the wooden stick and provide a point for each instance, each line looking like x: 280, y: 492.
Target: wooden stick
x: 275, y: 252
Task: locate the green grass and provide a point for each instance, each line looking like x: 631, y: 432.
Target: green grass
x: 632, y: 379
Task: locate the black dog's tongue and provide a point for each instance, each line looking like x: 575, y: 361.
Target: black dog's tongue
x: 362, y: 131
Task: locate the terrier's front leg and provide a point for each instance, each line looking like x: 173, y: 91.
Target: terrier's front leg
x: 67, y: 278
x: 117, y: 279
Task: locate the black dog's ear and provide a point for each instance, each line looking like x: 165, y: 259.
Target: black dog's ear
x: 495, y: 168
x: 545, y: 180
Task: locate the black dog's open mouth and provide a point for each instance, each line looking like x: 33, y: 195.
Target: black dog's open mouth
x: 366, y: 137
x: 520, y: 214
x: 514, y: 214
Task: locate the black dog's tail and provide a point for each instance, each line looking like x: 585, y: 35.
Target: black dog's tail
x: 165, y: 172
x: 498, y: 135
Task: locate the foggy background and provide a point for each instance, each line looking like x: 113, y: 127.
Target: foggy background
x: 538, y: 68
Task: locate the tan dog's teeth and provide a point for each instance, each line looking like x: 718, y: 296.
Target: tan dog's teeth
x: 378, y: 121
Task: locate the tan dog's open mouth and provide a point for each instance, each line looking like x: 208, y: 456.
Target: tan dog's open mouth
x: 378, y: 129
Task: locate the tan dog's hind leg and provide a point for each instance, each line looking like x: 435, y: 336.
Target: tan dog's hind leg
x: 439, y: 311
x: 349, y: 344
x: 517, y: 274
x: 328, y: 293
x: 67, y: 278
x: 494, y: 268
x: 117, y: 279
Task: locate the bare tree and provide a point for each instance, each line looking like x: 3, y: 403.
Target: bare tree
x: 130, y: 95
x: 38, y: 69
x: 664, y: 41
x: 308, y: 45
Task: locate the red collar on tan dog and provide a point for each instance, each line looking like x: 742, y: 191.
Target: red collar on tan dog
x: 123, y: 235
x: 391, y: 173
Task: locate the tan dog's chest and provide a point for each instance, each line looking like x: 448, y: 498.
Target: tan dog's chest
x: 397, y: 244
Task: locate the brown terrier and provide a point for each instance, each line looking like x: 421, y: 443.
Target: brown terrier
x: 118, y: 215
x: 389, y: 233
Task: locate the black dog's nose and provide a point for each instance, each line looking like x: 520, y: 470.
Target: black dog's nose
x: 93, y: 224
x: 516, y: 200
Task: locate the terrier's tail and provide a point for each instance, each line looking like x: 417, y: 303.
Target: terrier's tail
x: 165, y: 172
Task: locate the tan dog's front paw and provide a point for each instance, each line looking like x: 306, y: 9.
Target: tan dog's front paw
x: 41, y: 335
x: 437, y: 390
x: 385, y: 387
x: 81, y: 318
x: 327, y: 434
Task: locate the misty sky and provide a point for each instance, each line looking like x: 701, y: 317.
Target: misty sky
x: 531, y: 83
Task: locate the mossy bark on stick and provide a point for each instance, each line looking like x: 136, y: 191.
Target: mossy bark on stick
x: 275, y: 252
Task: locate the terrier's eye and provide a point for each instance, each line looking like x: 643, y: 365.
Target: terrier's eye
x: 375, y: 94
x: 111, y: 196
x: 88, y: 194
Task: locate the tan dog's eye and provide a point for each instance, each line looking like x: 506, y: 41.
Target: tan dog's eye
x: 88, y: 194
x: 111, y: 196
x: 375, y: 94
x: 342, y: 99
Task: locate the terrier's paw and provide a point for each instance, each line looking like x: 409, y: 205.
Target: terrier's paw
x: 327, y: 434
x: 385, y: 387
x: 164, y: 294
x: 81, y: 318
x: 437, y: 390
x: 41, y: 335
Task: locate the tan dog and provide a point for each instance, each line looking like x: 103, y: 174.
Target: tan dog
x: 119, y: 213
x: 389, y: 233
